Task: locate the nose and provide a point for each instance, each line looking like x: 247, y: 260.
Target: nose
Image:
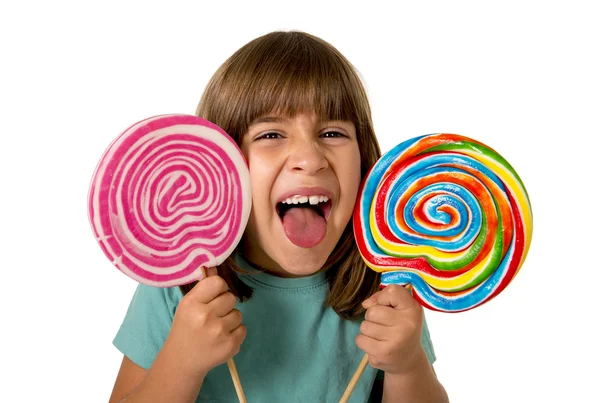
x: 307, y: 156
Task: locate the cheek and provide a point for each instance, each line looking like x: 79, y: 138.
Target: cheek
x: 261, y: 181
x: 349, y: 178
x: 353, y: 172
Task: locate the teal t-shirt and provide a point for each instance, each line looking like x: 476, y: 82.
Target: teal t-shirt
x: 296, y: 350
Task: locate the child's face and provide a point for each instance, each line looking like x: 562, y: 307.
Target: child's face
x: 299, y: 156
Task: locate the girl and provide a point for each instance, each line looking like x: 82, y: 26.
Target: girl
x: 300, y: 114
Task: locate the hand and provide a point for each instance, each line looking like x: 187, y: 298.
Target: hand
x: 206, y: 330
x: 391, y: 331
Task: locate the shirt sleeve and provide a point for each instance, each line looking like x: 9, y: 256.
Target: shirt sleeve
x: 427, y: 346
x: 426, y: 342
x: 147, y: 323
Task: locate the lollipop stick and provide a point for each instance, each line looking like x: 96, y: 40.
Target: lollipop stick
x: 362, y: 366
x: 236, y: 380
x: 355, y: 378
x: 231, y: 365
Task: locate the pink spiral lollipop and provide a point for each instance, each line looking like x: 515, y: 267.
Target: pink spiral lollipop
x: 170, y: 196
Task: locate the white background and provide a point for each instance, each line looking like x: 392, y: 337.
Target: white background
x: 522, y: 77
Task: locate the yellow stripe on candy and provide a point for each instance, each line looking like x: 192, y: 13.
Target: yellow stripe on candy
x: 516, y: 190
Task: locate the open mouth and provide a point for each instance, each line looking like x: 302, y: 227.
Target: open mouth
x: 318, y: 203
x: 304, y: 213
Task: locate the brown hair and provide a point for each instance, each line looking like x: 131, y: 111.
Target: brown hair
x: 293, y: 72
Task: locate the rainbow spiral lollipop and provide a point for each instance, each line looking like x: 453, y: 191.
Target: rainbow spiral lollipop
x: 446, y: 214
x: 170, y: 196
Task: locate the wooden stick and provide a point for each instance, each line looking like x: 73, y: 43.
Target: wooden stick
x: 355, y: 378
x: 236, y: 380
x: 232, y: 369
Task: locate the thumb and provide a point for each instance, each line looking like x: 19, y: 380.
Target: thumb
x: 371, y: 301
x: 397, y: 297
x: 211, y: 271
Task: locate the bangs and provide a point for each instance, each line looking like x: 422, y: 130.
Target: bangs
x: 302, y: 80
x: 286, y: 75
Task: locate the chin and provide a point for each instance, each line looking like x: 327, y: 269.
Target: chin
x: 301, y: 261
x: 303, y: 264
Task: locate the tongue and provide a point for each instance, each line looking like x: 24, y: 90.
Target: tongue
x: 304, y: 227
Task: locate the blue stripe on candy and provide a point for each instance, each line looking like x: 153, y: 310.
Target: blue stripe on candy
x: 476, y: 296
x: 463, y: 196
x: 426, y: 165
x: 370, y: 187
x: 432, y: 208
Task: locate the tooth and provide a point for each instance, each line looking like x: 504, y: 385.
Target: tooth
x: 288, y: 200
x: 295, y: 200
x: 325, y: 198
x: 321, y: 199
x: 313, y: 199
x: 303, y: 199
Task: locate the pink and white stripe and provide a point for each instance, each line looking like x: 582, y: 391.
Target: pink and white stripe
x: 170, y: 196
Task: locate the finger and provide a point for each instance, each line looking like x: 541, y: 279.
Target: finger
x: 223, y: 304
x: 239, y: 334
x: 371, y: 301
x: 232, y: 320
x: 374, y: 330
x: 368, y: 344
x: 233, y: 341
x: 396, y: 296
x: 383, y: 315
x: 208, y: 289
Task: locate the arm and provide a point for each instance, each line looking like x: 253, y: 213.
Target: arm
x: 418, y: 384
x: 160, y: 384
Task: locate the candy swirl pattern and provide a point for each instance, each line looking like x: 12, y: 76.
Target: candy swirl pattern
x: 447, y: 215
x: 170, y: 196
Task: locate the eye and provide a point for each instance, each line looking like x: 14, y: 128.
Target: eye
x: 332, y: 134
x: 268, y: 136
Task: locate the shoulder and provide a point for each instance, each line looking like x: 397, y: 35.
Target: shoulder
x: 145, y: 294
x: 152, y: 306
